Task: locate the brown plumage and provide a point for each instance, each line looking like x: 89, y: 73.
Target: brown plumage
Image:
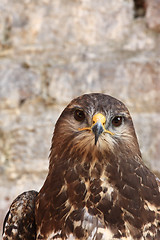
x: 98, y: 187
x: 19, y: 223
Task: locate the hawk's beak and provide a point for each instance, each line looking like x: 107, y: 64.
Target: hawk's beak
x: 98, y: 128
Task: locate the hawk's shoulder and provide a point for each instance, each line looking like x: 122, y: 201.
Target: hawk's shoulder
x: 19, y: 222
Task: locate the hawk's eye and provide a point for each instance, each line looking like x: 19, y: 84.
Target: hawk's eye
x: 117, y: 121
x: 79, y: 115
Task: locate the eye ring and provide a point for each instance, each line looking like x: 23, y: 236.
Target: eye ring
x: 79, y: 115
x: 117, y: 121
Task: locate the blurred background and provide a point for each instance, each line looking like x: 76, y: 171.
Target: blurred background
x: 54, y: 50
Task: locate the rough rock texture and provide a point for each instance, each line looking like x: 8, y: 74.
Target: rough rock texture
x: 153, y: 14
x: 52, y: 51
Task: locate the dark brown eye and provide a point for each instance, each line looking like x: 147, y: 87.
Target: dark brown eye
x: 79, y: 115
x: 117, y: 121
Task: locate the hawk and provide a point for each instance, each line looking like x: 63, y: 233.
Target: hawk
x: 98, y: 187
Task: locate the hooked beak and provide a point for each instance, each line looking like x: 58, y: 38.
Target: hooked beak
x: 97, y: 130
x: 98, y: 126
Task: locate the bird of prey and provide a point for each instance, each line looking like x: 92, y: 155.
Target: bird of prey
x: 97, y: 187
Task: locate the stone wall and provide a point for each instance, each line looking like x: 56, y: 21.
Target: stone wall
x: 53, y: 51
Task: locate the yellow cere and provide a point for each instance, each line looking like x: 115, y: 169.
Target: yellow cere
x: 97, y: 118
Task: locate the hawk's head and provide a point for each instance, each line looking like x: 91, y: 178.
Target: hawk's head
x: 95, y: 122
